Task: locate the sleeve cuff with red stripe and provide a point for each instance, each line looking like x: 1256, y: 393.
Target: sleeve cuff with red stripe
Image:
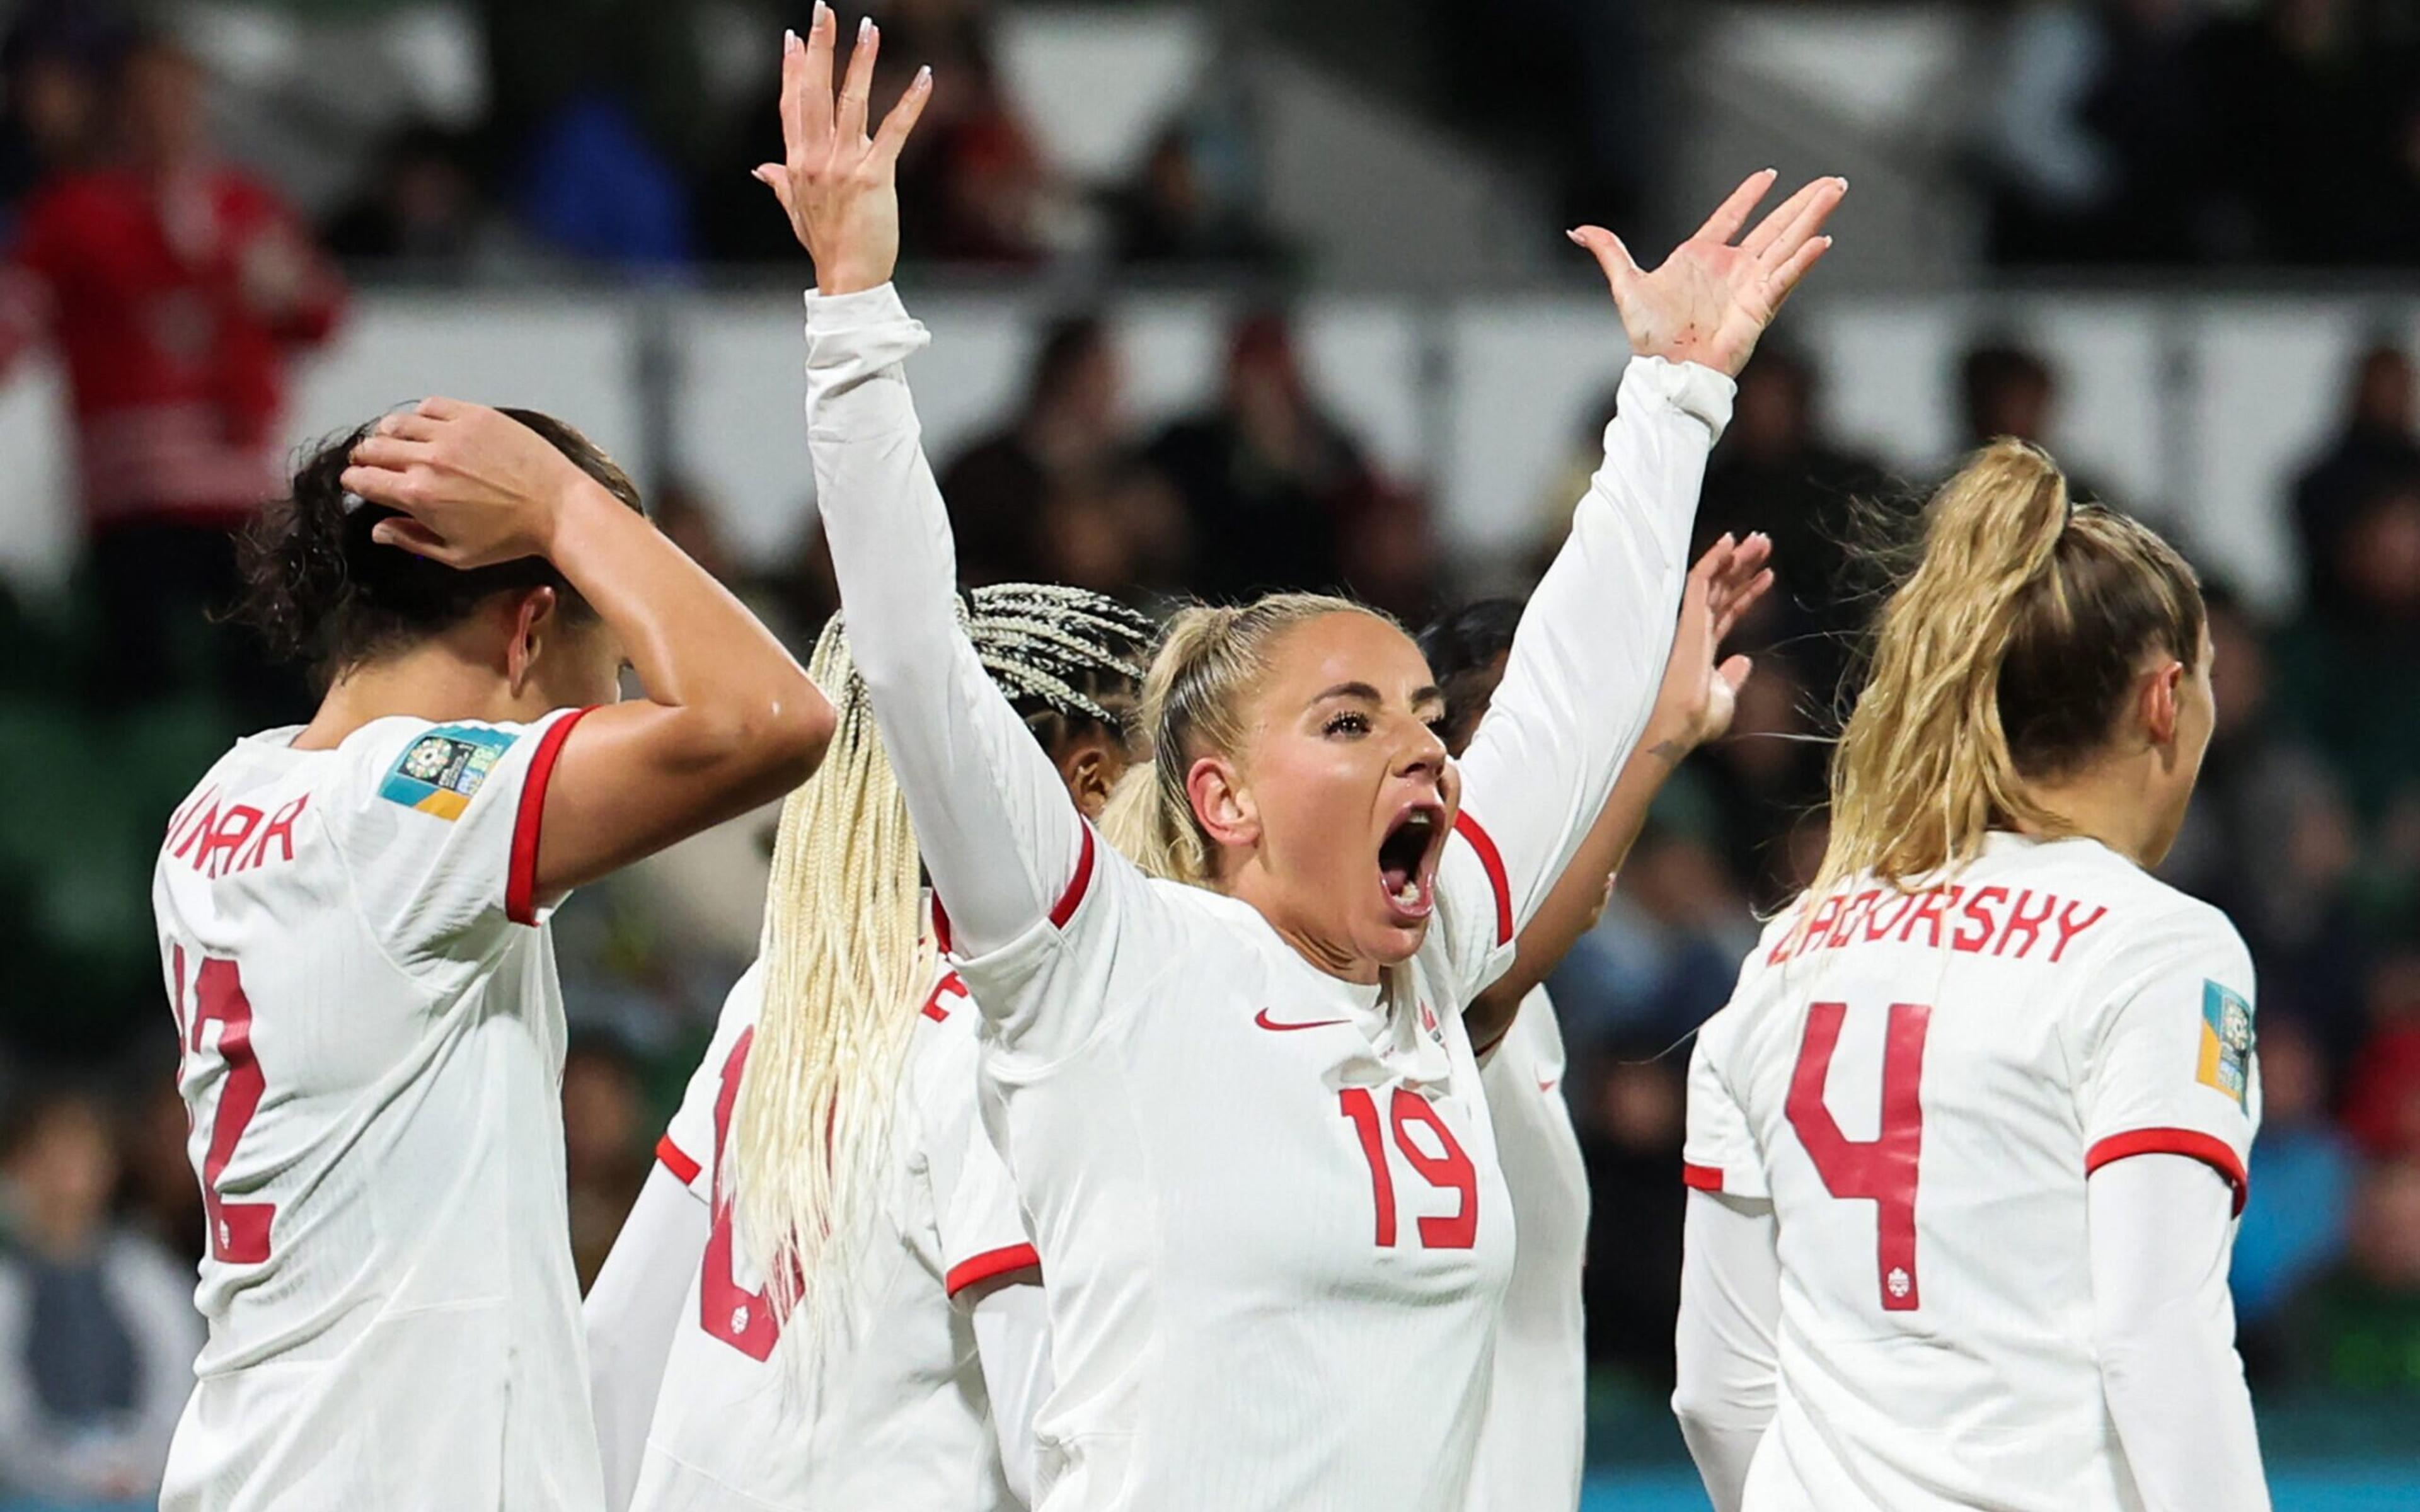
x: 2192, y: 1143
x: 520, y: 878
x: 990, y: 1265
x: 676, y: 1161
x: 1483, y: 845
x: 1701, y: 1178
x: 1060, y: 912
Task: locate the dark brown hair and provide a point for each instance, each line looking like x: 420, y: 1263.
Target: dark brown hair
x: 320, y: 591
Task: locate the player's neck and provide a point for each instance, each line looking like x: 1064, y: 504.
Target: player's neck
x: 2110, y: 802
x: 436, y: 680
x: 1251, y: 883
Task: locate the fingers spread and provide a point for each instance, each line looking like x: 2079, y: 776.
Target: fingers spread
x: 857, y: 90
x: 1621, y: 269
x: 807, y: 108
x: 1771, y: 228
x: 1806, y: 223
x: 1733, y: 213
x: 902, y: 118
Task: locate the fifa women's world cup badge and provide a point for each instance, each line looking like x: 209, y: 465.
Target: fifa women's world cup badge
x: 2226, y: 1040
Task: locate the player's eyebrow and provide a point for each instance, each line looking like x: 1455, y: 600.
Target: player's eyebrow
x: 1349, y: 691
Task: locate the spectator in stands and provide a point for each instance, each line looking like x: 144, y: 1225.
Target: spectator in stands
x: 2303, y: 1173
x: 605, y: 1144
x: 2359, y: 1326
x: 2270, y: 839
x: 420, y: 215
x: 1775, y: 471
x: 1667, y: 950
x: 1067, y: 431
x: 54, y: 63
x: 2312, y: 140
x: 1279, y: 495
x: 1191, y: 202
x: 973, y: 187
x: 174, y: 288
x: 2378, y: 446
x: 2007, y: 389
x: 2351, y: 670
x: 2381, y: 1107
x: 1630, y: 1127
x: 2097, y: 136
x: 98, y: 1331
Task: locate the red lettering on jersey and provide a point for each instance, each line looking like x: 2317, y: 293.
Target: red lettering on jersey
x: 1977, y: 912
x: 1929, y: 906
x: 279, y: 828
x: 188, y: 807
x: 1819, y: 926
x: 218, y: 852
x: 1877, y: 928
x: 203, y: 818
x: 949, y: 986
x: 1858, y: 908
x: 2069, y: 927
x: 2030, y: 923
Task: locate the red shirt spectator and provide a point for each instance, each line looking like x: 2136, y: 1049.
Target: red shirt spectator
x: 173, y: 304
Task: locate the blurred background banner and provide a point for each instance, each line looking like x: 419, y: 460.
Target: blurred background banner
x: 1227, y: 295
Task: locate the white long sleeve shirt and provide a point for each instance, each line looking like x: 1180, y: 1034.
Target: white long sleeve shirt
x: 1955, y: 1243
x: 1267, y: 1200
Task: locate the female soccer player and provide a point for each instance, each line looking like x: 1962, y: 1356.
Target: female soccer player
x: 352, y: 923
x: 1239, y: 1097
x: 1968, y: 1143
x: 901, y: 1390
x: 1531, y: 1447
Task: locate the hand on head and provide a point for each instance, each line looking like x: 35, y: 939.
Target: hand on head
x: 839, y: 186
x: 1710, y: 300
x: 475, y: 486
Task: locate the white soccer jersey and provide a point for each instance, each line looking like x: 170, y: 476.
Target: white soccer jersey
x: 373, y: 1041
x: 891, y: 1412
x: 1920, y: 1085
x: 1531, y: 1449
x: 1266, y: 1199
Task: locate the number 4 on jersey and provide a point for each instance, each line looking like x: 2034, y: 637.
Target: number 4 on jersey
x: 1881, y: 1170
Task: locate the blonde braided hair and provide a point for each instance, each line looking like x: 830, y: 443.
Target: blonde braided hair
x: 847, y: 960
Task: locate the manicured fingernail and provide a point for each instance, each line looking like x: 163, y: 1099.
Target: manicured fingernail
x: 924, y: 77
x: 1843, y: 184
x: 823, y: 12
x: 789, y: 42
x: 865, y: 28
x: 1575, y: 238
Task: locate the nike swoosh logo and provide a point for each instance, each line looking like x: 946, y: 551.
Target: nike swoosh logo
x: 1265, y: 1022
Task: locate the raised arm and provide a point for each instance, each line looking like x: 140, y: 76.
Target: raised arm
x: 1591, y: 646
x: 1693, y: 706
x: 729, y: 720
x: 992, y: 817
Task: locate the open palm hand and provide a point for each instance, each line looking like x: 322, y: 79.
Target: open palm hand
x: 1711, y: 300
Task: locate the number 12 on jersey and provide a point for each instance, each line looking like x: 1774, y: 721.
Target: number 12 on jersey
x: 239, y: 1230
x: 1881, y: 1170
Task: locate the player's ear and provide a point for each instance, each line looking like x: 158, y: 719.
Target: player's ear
x: 1221, y: 802
x: 2159, y: 703
x: 535, y: 618
x: 1090, y: 768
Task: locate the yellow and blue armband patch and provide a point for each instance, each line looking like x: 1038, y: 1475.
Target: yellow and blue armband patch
x: 438, y: 773
x: 2226, y: 1040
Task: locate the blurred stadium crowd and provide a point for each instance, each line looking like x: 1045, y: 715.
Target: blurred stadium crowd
x: 2178, y: 133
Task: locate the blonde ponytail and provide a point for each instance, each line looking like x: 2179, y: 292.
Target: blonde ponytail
x: 1193, y: 700
x: 846, y: 964
x: 2001, y: 659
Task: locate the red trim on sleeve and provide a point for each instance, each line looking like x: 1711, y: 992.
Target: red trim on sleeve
x: 676, y: 1161
x: 1493, y: 859
x: 940, y: 925
x: 1701, y: 1178
x: 2215, y: 1152
x: 520, y: 878
x: 1068, y: 901
x: 990, y: 1265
